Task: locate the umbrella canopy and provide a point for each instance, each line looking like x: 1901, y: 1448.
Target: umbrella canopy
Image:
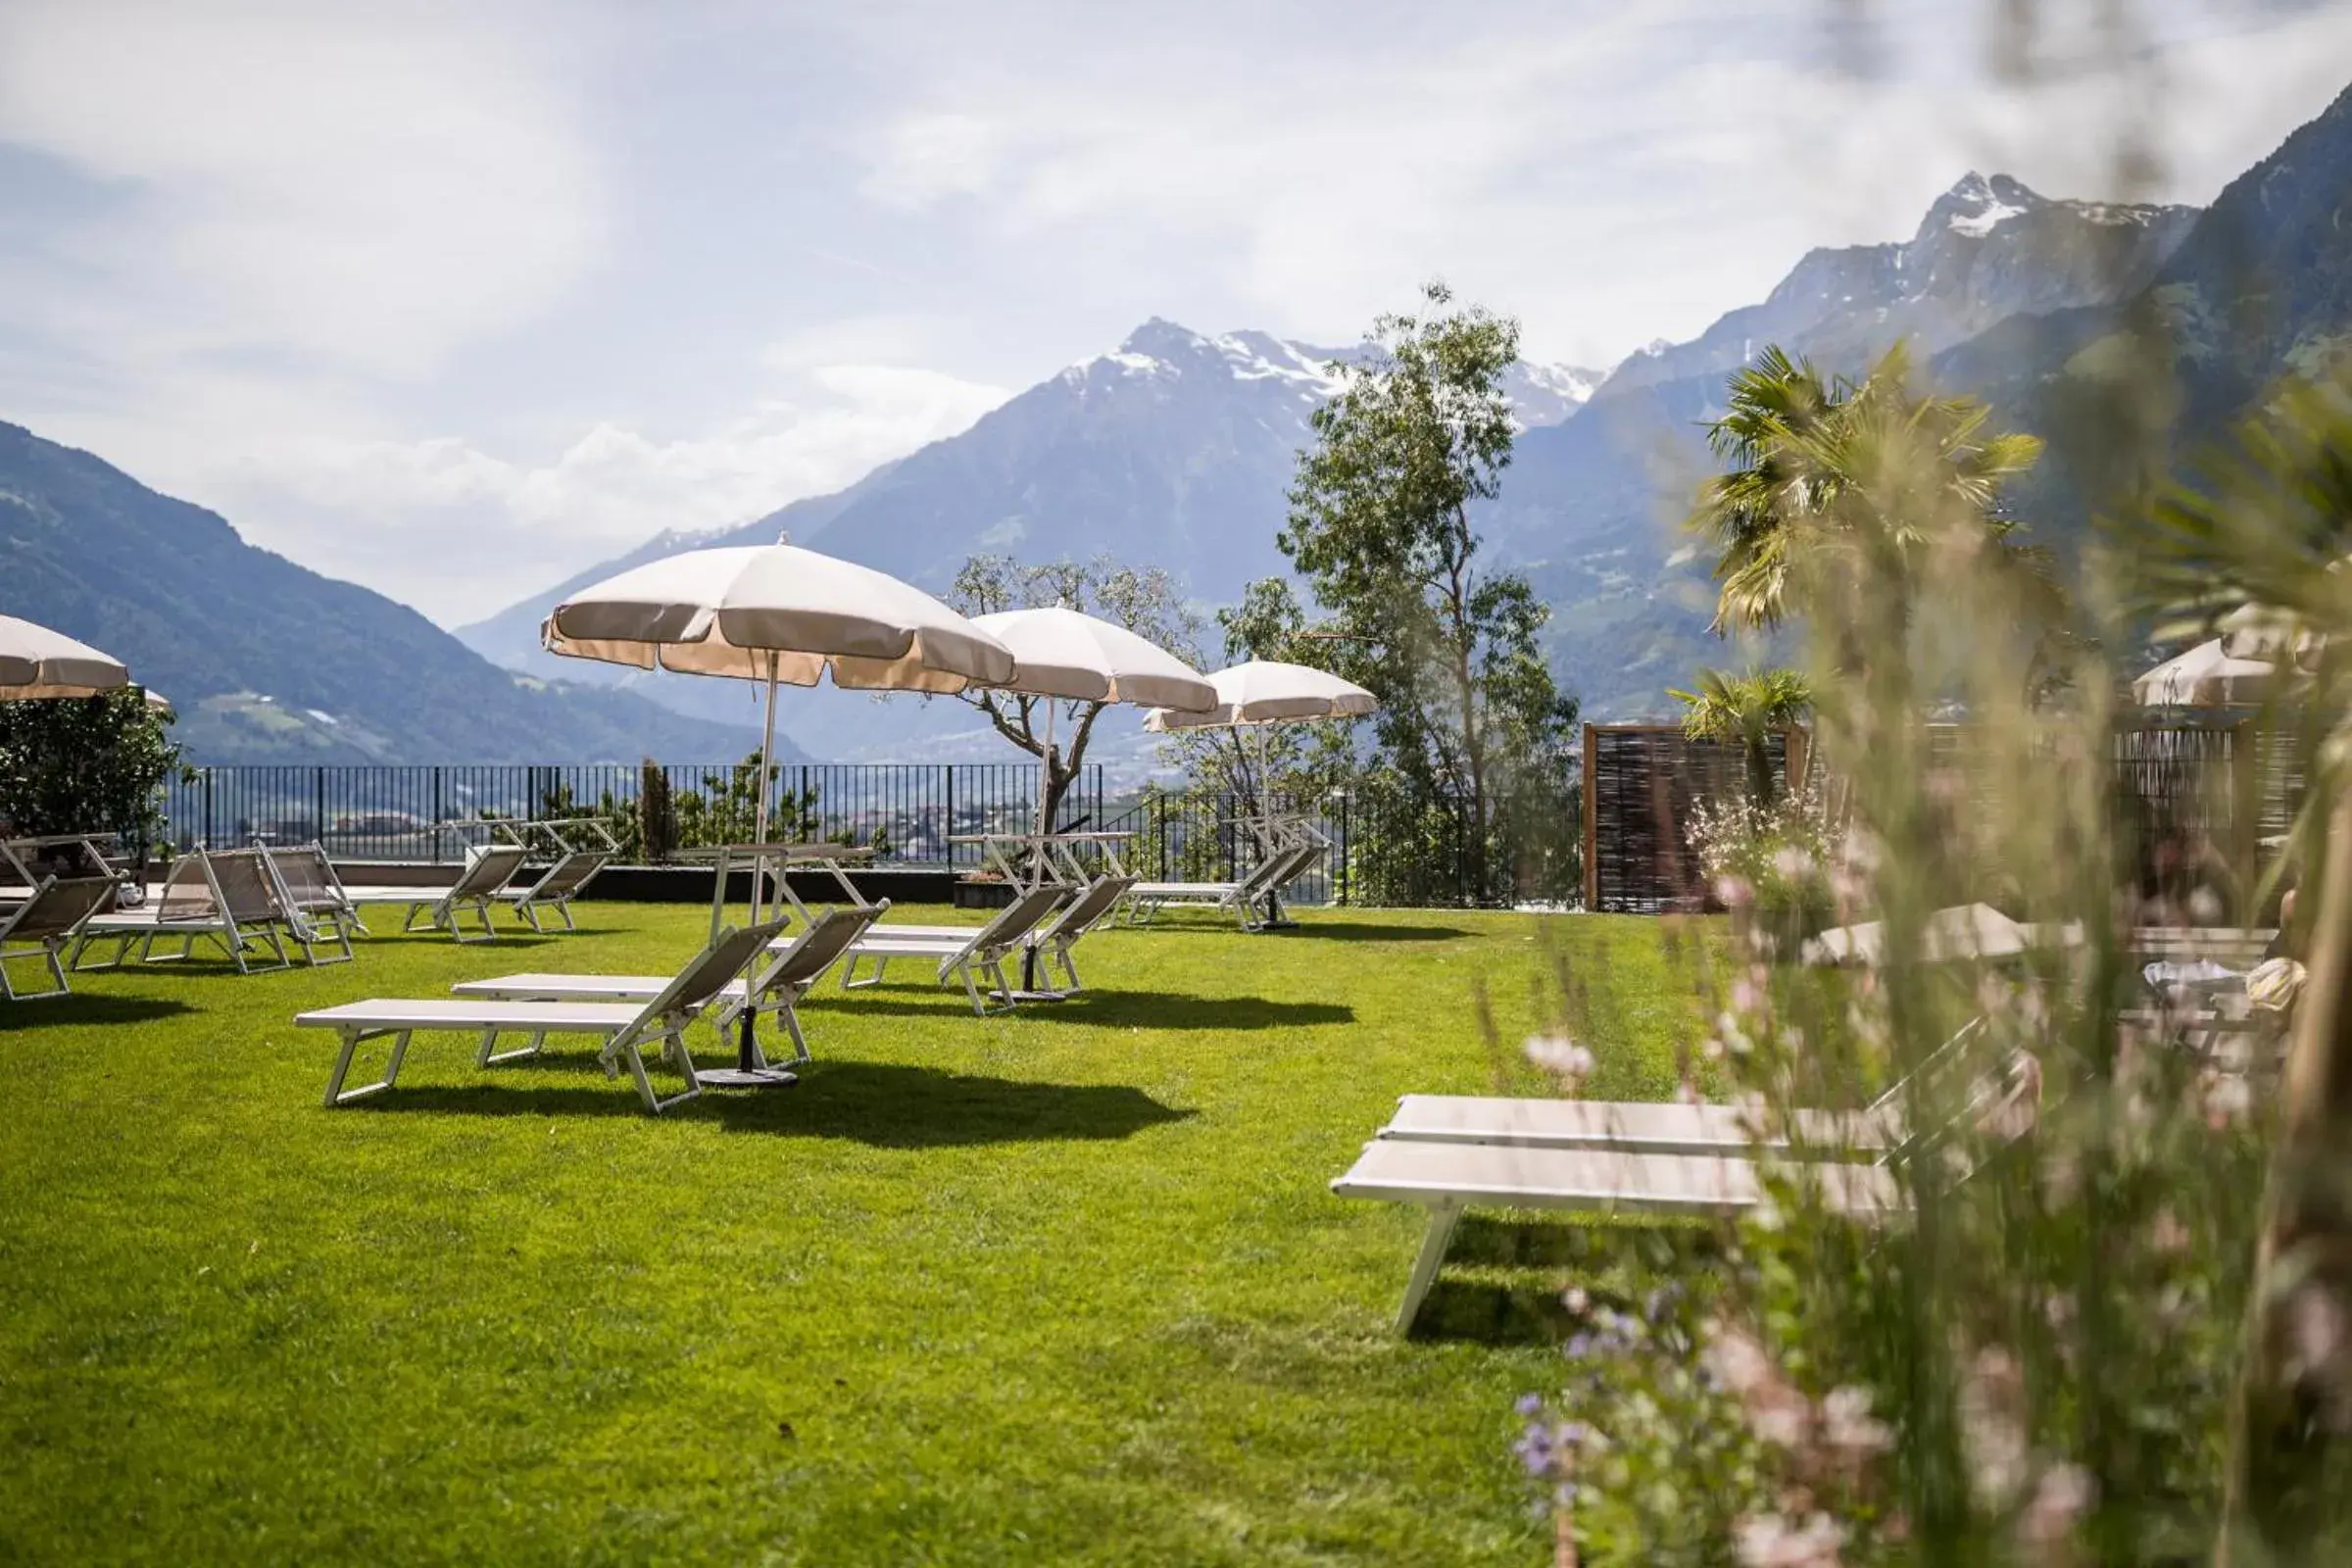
x: 1264, y: 691
x: 1062, y: 653
x: 780, y: 613
x: 35, y: 662
x: 1963, y: 931
x: 2205, y: 676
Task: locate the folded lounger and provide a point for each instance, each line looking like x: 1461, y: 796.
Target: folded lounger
x: 43, y: 924
x: 968, y: 954
x: 227, y: 897
x: 479, y: 884
x: 790, y: 970
x: 319, y: 910
x: 624, y: 1027
x: 1445, y: 1179
x: 557, y: 887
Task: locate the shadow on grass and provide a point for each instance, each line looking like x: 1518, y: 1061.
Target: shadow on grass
x: 1319, y: 930
x: 887, y: 1107
x: 1618, y: 1264
x: 84, y: 1007
x: 1118, y: 1010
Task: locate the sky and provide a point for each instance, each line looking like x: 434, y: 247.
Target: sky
x: 455, y: 300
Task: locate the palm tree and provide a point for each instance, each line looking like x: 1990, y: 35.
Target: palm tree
x: 1823, y: 469
x: 1747, y: 709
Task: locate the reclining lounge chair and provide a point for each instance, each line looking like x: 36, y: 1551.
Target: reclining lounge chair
x: 793, y: 968
x: 968, y: 953
x: 624, y: 1027
x: 44, y: 924
x: 556, y: 887
x: 318, y: 909
x: 479, y: 884
x: 227, y: 897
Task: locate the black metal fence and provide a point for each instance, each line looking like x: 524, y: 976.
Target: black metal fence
x: 909, y: 811
x: 1383, y: 852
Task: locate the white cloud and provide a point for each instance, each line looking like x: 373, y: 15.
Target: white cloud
x: 924, y: 158
x: 339, y: 504
x: 361, y: 191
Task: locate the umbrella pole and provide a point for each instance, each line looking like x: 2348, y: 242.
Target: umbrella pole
x: 752, y: 1070
x: 1045, y: 825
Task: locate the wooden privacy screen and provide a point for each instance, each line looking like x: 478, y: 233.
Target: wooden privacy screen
x: 1641, y: 781
x: 2189, y: 796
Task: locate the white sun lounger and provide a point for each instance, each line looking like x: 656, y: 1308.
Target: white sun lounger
x: 1447, y: 1178
x: 1090, y: 905
x: 1634, y: 1127
x: 792, y: 969
x: 317, y: 907
x: 624, y: 1027
x: 480, y: 884
x: 44, y: 924
x: 1146, y: 900
x: 969, y: 954
x: 557, y: 887
x: 227, y: 897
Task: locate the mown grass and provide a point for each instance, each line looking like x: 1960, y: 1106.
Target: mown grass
x: 1061, y: 1286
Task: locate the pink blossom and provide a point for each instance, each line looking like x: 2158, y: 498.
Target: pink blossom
x: 2059, y: 1498
x: 1559, y: 1055
x: 1771, y: 1540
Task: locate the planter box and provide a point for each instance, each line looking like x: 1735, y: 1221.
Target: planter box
x: 973, y: 893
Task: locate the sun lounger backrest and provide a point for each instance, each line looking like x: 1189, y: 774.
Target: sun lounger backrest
x: 1100, y: 897
x: 308, y: 877
x: 814, y: 949
x: 248, y: 892
x: 187, y: 893
x: 708, y: 972
x: 569, y: 874
x: 1018, y: 919
x: 487, y: 870
x: 57, y: 908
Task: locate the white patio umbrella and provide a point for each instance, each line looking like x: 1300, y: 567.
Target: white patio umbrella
x: 1262, y: 692
x: 1061, y: 654
x: 37, y: 662
x: 1265, y: 691
x: 781, y: 616
x: 2207, y: 676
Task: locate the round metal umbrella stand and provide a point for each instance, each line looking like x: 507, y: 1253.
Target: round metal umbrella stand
x: 780, y: 615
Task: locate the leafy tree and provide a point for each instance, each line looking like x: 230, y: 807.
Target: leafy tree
x: 1822, y: 470
x: 1380, y: 525
x: 1145, y: 601
x: 1746, y: 711
x: 96, y: 765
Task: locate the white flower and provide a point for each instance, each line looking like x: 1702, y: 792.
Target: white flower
x: 1792, y: 863
x: 1846, y: 1423
x: 1768, y: 1541
x: 2059, y: 1499
x: 2228, y: 1099
x: 1557, y: 1054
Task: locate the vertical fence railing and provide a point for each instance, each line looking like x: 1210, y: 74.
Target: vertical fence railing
x: 912, y: 810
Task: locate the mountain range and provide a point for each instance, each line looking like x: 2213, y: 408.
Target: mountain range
x: 270, y: 663
x: 1177, y: 448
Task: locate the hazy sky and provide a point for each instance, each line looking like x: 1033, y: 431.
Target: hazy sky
x: 456, y: 298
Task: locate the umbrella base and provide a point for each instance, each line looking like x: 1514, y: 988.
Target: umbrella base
x: 1040, y: 996
x: 745, y: 1077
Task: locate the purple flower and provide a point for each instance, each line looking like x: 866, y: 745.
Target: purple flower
x: 1530, y: 1403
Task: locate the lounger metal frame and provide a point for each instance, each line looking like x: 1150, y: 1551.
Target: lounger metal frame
x: 488, y: 869
x: 44, y: 925
x: 318, y: 909
x: 584, y: 846
x: 971, y: 958
x: 229, y: 896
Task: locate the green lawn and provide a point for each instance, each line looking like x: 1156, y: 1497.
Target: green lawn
x: 1065, y: 1284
